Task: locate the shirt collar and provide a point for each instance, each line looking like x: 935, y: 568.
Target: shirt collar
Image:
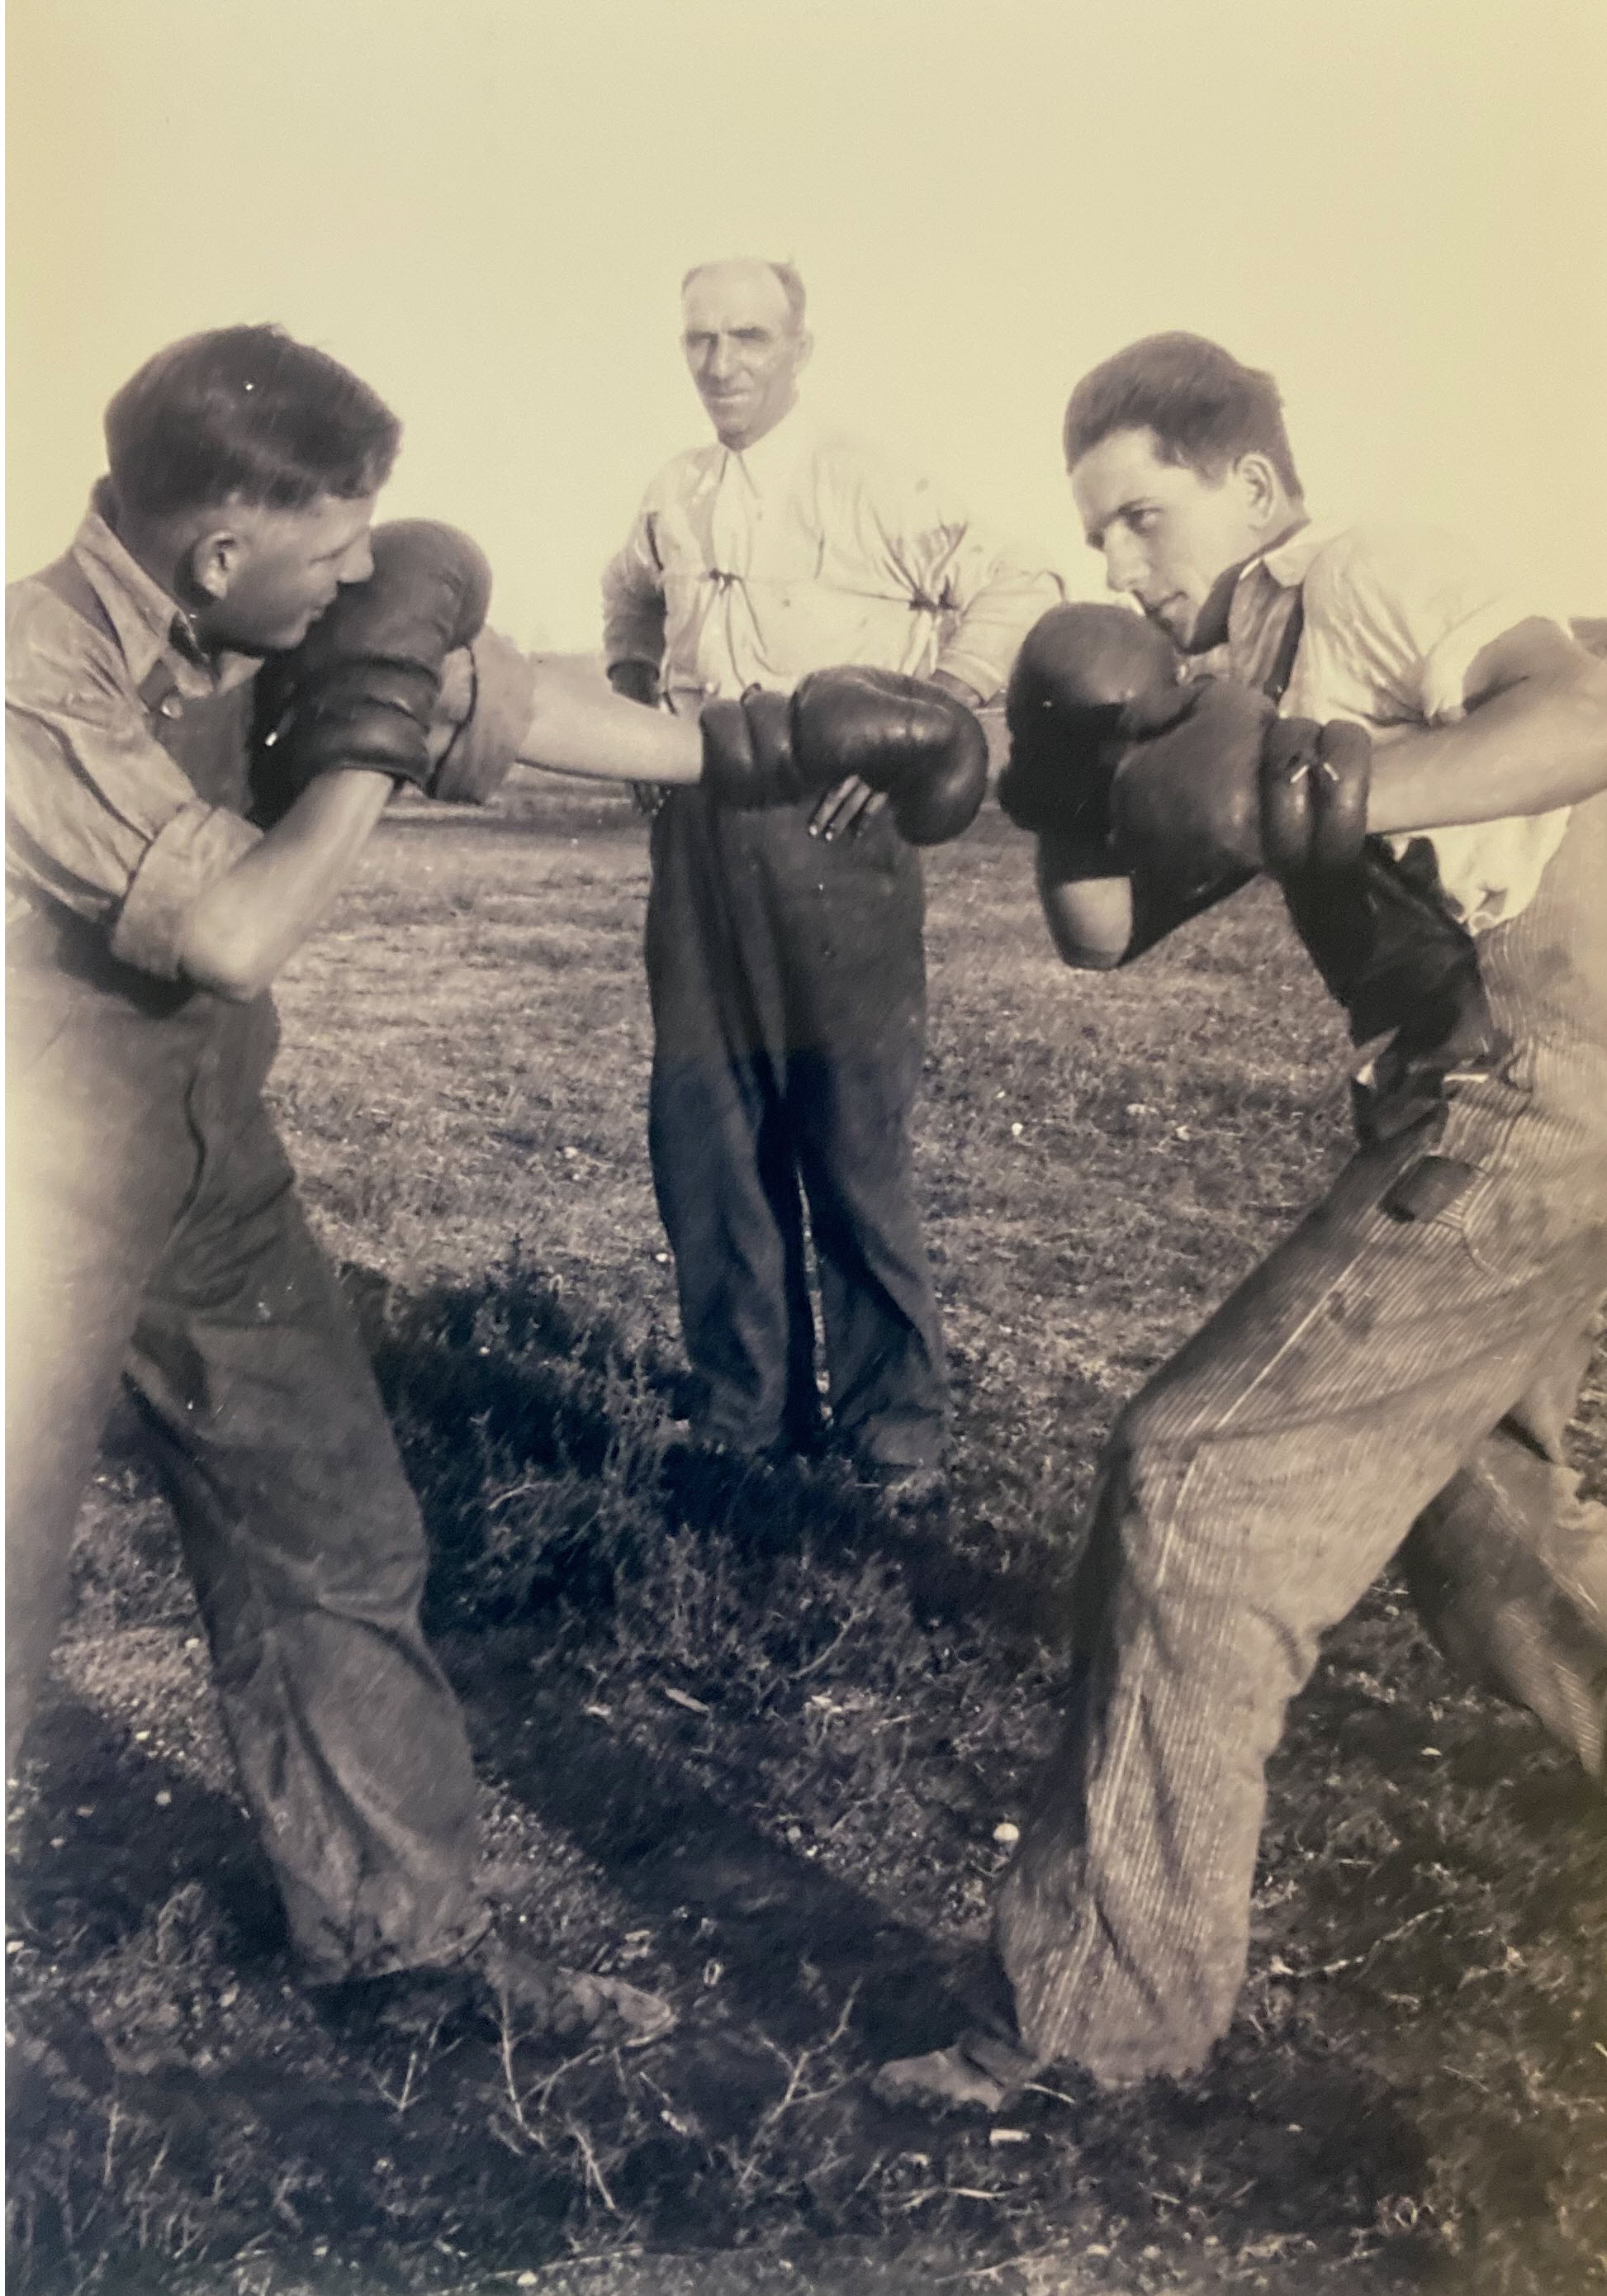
x: 1264, y: 597
x: 1289, y: 561
x: 771, y: 458
x: 148, y: 622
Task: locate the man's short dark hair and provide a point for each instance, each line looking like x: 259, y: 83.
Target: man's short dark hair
x: 1203, y: 407
x: 787, y: 275
x: 246, y: 415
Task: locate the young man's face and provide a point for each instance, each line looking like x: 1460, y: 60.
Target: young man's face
x: 1167, y: 532
x: 743, y: 350
x: 285, y: 568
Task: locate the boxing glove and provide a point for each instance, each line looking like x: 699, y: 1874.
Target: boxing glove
x: 1083, y: 677
x: 914, y: 742
x: 1229, y: 788
x: 361, y: 690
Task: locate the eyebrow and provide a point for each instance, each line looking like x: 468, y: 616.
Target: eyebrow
x: 1095, y: 538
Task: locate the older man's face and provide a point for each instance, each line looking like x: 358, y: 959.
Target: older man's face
x: 743, y: 350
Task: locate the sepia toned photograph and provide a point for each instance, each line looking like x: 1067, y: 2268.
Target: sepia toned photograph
x: 805, y: 1086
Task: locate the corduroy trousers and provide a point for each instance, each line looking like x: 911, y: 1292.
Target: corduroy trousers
x: 1396, y: 1377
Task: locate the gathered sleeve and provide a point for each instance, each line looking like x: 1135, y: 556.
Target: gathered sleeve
x: 988, y: 591
x: 99, y: 818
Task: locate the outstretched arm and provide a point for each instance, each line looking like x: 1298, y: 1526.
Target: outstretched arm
x: 577, y: 725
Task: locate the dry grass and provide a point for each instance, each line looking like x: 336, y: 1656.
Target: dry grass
x: 746, y: 1741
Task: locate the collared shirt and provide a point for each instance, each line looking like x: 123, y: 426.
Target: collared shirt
x: 1393, y: 620
x: 99, y: 819
x: 809, y: 549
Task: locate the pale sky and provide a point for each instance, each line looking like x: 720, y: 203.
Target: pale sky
x: 485, y: 207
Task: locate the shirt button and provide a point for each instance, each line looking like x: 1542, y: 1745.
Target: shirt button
x: 171, y: 706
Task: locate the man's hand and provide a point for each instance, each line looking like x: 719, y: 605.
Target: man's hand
x: 844, y: 810
x: 637, y: 681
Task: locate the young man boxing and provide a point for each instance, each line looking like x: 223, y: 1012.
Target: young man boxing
x: 1419, y: 756
x: 178, y: 819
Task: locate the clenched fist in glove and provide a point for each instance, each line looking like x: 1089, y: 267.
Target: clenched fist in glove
x: 1193, y: 786
x: 1080, y: 675
x: 361, y: 689
x: 913, y: 741
x: 1230, y: 788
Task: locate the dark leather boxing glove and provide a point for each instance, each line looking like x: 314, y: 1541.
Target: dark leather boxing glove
x: 1315, y: 785
x: 362, y: 687
x: 912, y: 741
x: 1230, y: 788
x: 1083, y: 675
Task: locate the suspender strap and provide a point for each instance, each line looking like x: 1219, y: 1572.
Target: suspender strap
x: 1283, y: 669
x: 68, y: 581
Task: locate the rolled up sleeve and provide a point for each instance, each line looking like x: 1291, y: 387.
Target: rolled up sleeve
x: 999, y: 596
x: 1413, y: 611
x: 198, y: 847
x: 990, y: 592
x: 633, y: 600
x: 100, y: 820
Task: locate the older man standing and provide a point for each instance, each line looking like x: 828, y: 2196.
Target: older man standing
x: 783, y: 948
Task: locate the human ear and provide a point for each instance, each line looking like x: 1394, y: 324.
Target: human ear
x: 213, y: 562
x: 1259, y: 485
x: 806, y: 345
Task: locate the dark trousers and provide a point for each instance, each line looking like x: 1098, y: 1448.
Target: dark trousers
x: 789, y: 999
x: 154, y: 1234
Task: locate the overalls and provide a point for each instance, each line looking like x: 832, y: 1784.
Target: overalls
x: 154, y: 1236
x: 1396, y: 1377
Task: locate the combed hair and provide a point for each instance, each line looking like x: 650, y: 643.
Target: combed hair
x: 246, y: 415
x: 1203, y: 407
x: 790, y: 278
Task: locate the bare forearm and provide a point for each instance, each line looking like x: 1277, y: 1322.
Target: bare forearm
x: 1090, y: 918
x: 1539, y: 744
x: 251, y: 919
x: 960, y: 688
x: 578, y: 726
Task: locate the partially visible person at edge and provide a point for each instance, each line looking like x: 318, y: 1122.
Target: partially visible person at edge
x: 154, y: 1231
x: 1394, y: 1381
x: 785, y: 947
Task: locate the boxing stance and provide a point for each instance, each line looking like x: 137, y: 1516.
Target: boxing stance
x: 210, y: 699
x: 1419, y: 759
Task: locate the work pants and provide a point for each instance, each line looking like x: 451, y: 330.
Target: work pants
x: 1400, y: 1370
x: 154, y: 1236
x: 788, y: 986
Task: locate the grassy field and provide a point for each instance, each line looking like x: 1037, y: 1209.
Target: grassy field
x: 748, y: 1741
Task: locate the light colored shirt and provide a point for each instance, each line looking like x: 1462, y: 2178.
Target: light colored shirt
x: 1394, y: 619
x: 811, y: 549
x: 98, y: 816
